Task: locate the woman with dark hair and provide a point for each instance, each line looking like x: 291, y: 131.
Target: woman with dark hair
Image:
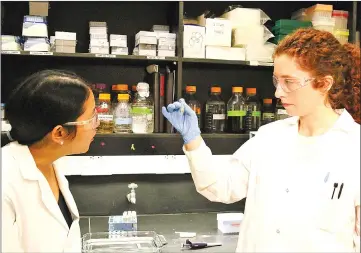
x: 301, y: 175
x: 52, y: 114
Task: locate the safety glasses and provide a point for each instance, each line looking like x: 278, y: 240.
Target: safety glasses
x: 290, y: 84
x: 88, y: 124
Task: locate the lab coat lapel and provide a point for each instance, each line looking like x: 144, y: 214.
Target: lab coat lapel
x: 30, y: 171
x: 64, y: 187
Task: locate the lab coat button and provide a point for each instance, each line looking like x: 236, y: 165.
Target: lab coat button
x: 277, y: 231
x: 287, y: 190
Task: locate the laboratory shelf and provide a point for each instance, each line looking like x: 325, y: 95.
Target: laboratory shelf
x: 160, y: 144
x: 90, y: 56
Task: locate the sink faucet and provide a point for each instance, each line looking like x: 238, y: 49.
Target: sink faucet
x: 131, y: 196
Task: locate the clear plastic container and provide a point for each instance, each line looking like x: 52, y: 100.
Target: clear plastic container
x: 236, y: 111
x: 193, y: 102
x: 319, y: 11
x: 122, y: 115
x: 123, y: 241
x: 142, y: 110
x: 342, y: 35
x: 105, y: 114
x: 327, y: 25
x: 268, y: 112
x: 253, y: 111
x: 341, y: 18
x: 215, y: 112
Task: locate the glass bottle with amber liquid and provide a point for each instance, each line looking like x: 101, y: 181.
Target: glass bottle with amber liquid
x: 193, y: 103
x: 105, y: 114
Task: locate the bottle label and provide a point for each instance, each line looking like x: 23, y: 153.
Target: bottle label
x: 219, y: 116
x: 236, y: 113
x: 102, y: 117
x: 141, y: 110
x: 256, y: 113
x: 268, y: 115
x: 123, y: 121
x: 282, y: 111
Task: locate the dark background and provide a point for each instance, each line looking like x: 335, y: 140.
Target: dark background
x: 104, y: 195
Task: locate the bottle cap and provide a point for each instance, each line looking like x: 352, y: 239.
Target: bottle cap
x: 251, y: 90
x: 123, y: 97
x: 190, y: 88
x: 120, y: 87
x: 237, y: 89
x: 267, y: 100
x: 104, y: 96
x: 216, y: 89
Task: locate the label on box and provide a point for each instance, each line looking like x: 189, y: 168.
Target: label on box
x: 41, y: 53
x: 10, y: 52
x: 105, y: 55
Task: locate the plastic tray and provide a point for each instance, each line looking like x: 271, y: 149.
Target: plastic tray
x: 124, y: 241
x: 286, y: 26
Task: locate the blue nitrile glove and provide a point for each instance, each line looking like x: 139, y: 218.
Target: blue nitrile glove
x: 183, y: 118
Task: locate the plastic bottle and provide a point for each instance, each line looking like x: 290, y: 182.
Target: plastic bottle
x: 142, y: 111
x: 116, y: 90
x: 253, y: 111
x: 193, y: 103
x: 281, y: 112
x: 268, y: 113
x: 215, y: 112
x: 122, y: 115
x: 105, y: 114
x: 236, y: 111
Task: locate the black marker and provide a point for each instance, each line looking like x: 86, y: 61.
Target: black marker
x: 335, y: 185
x: 339, y: 194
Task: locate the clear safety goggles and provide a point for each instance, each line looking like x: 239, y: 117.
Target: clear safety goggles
x: 92, y: 123
x: 290, y: 84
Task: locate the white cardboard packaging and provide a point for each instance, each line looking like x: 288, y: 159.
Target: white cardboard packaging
x: 225, y: 53
x: 229, y: 223
x: 35, y: 26
x: 99, y: 43
x: 65, y: 35
x: 244, y: 17
x: 119, y: 50
x: 99, y: 50
x: 218, y: 32
x: 166, y: 53
x: 117, y: 40
x: 194, y: 41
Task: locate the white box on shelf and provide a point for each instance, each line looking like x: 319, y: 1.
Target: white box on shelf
x: 35, y: 26
x: 145, y: 52
x: 218, y: 32
x: 98, y: 30
x: 119, y: 50
x: 166, y: 47
x: 165, y: 35
x: 146, y: 40
x: 244, y: 17
x: 160, y: 28
x: 166, y: 42
x: 117, y: 40
x: 65, y: 49
x: 166, y: 53
x: 98, y: 36
x: 248, y: 35
x: 194, y: 41
x: 99, y: 50
x: 229, y: 223
x: 65, y: 35
x: 65, y: 43
x: 225, y: 53
x: 99, y: 43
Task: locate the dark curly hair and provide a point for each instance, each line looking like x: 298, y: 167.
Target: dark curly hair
x: 321, y: 54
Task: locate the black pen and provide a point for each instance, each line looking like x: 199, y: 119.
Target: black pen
x: 339, y: 193
x: 335, y: 185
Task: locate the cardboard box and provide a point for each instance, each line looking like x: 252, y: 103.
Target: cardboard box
x: 218, y: 31
x: 120, y: 50
x: 194, y: 41
x: 65, y: 49
x: 65, y: 43
x: 99, y: 43
x: 225, y: 53
x: 38, y: 8
x: 65, y: 35
x: 166, y: 53
x: 35, y: 26
x: 99, y: 50
x: 118, y: 40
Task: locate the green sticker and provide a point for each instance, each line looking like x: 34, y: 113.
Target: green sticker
x: 236, y: 113
x: 256, y: 113
x: 141, y: 110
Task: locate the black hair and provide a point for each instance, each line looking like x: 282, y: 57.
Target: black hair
x: 44, y: 100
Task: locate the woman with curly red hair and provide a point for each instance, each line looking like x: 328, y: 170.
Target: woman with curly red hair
x: 301, y: 175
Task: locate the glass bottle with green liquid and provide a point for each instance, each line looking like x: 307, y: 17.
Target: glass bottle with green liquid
x: 236, y: 111
x: 253, y: 111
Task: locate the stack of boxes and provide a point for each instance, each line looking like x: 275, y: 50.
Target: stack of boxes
x: 118, y: 44
x: 65, y: 42
x: 145, y: 44
x: 249, y: 32
x: 283, y: 27
x: 99, y: 43
x: 166, y: 42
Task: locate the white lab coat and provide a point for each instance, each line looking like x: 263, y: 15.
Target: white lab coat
x: 284, y: 177
x: 31, y: 218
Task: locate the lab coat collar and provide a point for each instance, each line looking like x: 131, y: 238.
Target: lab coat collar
x: 30, y: 171
x: 345, y: 122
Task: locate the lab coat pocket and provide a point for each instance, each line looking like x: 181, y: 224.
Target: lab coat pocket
x: 333, y: 213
